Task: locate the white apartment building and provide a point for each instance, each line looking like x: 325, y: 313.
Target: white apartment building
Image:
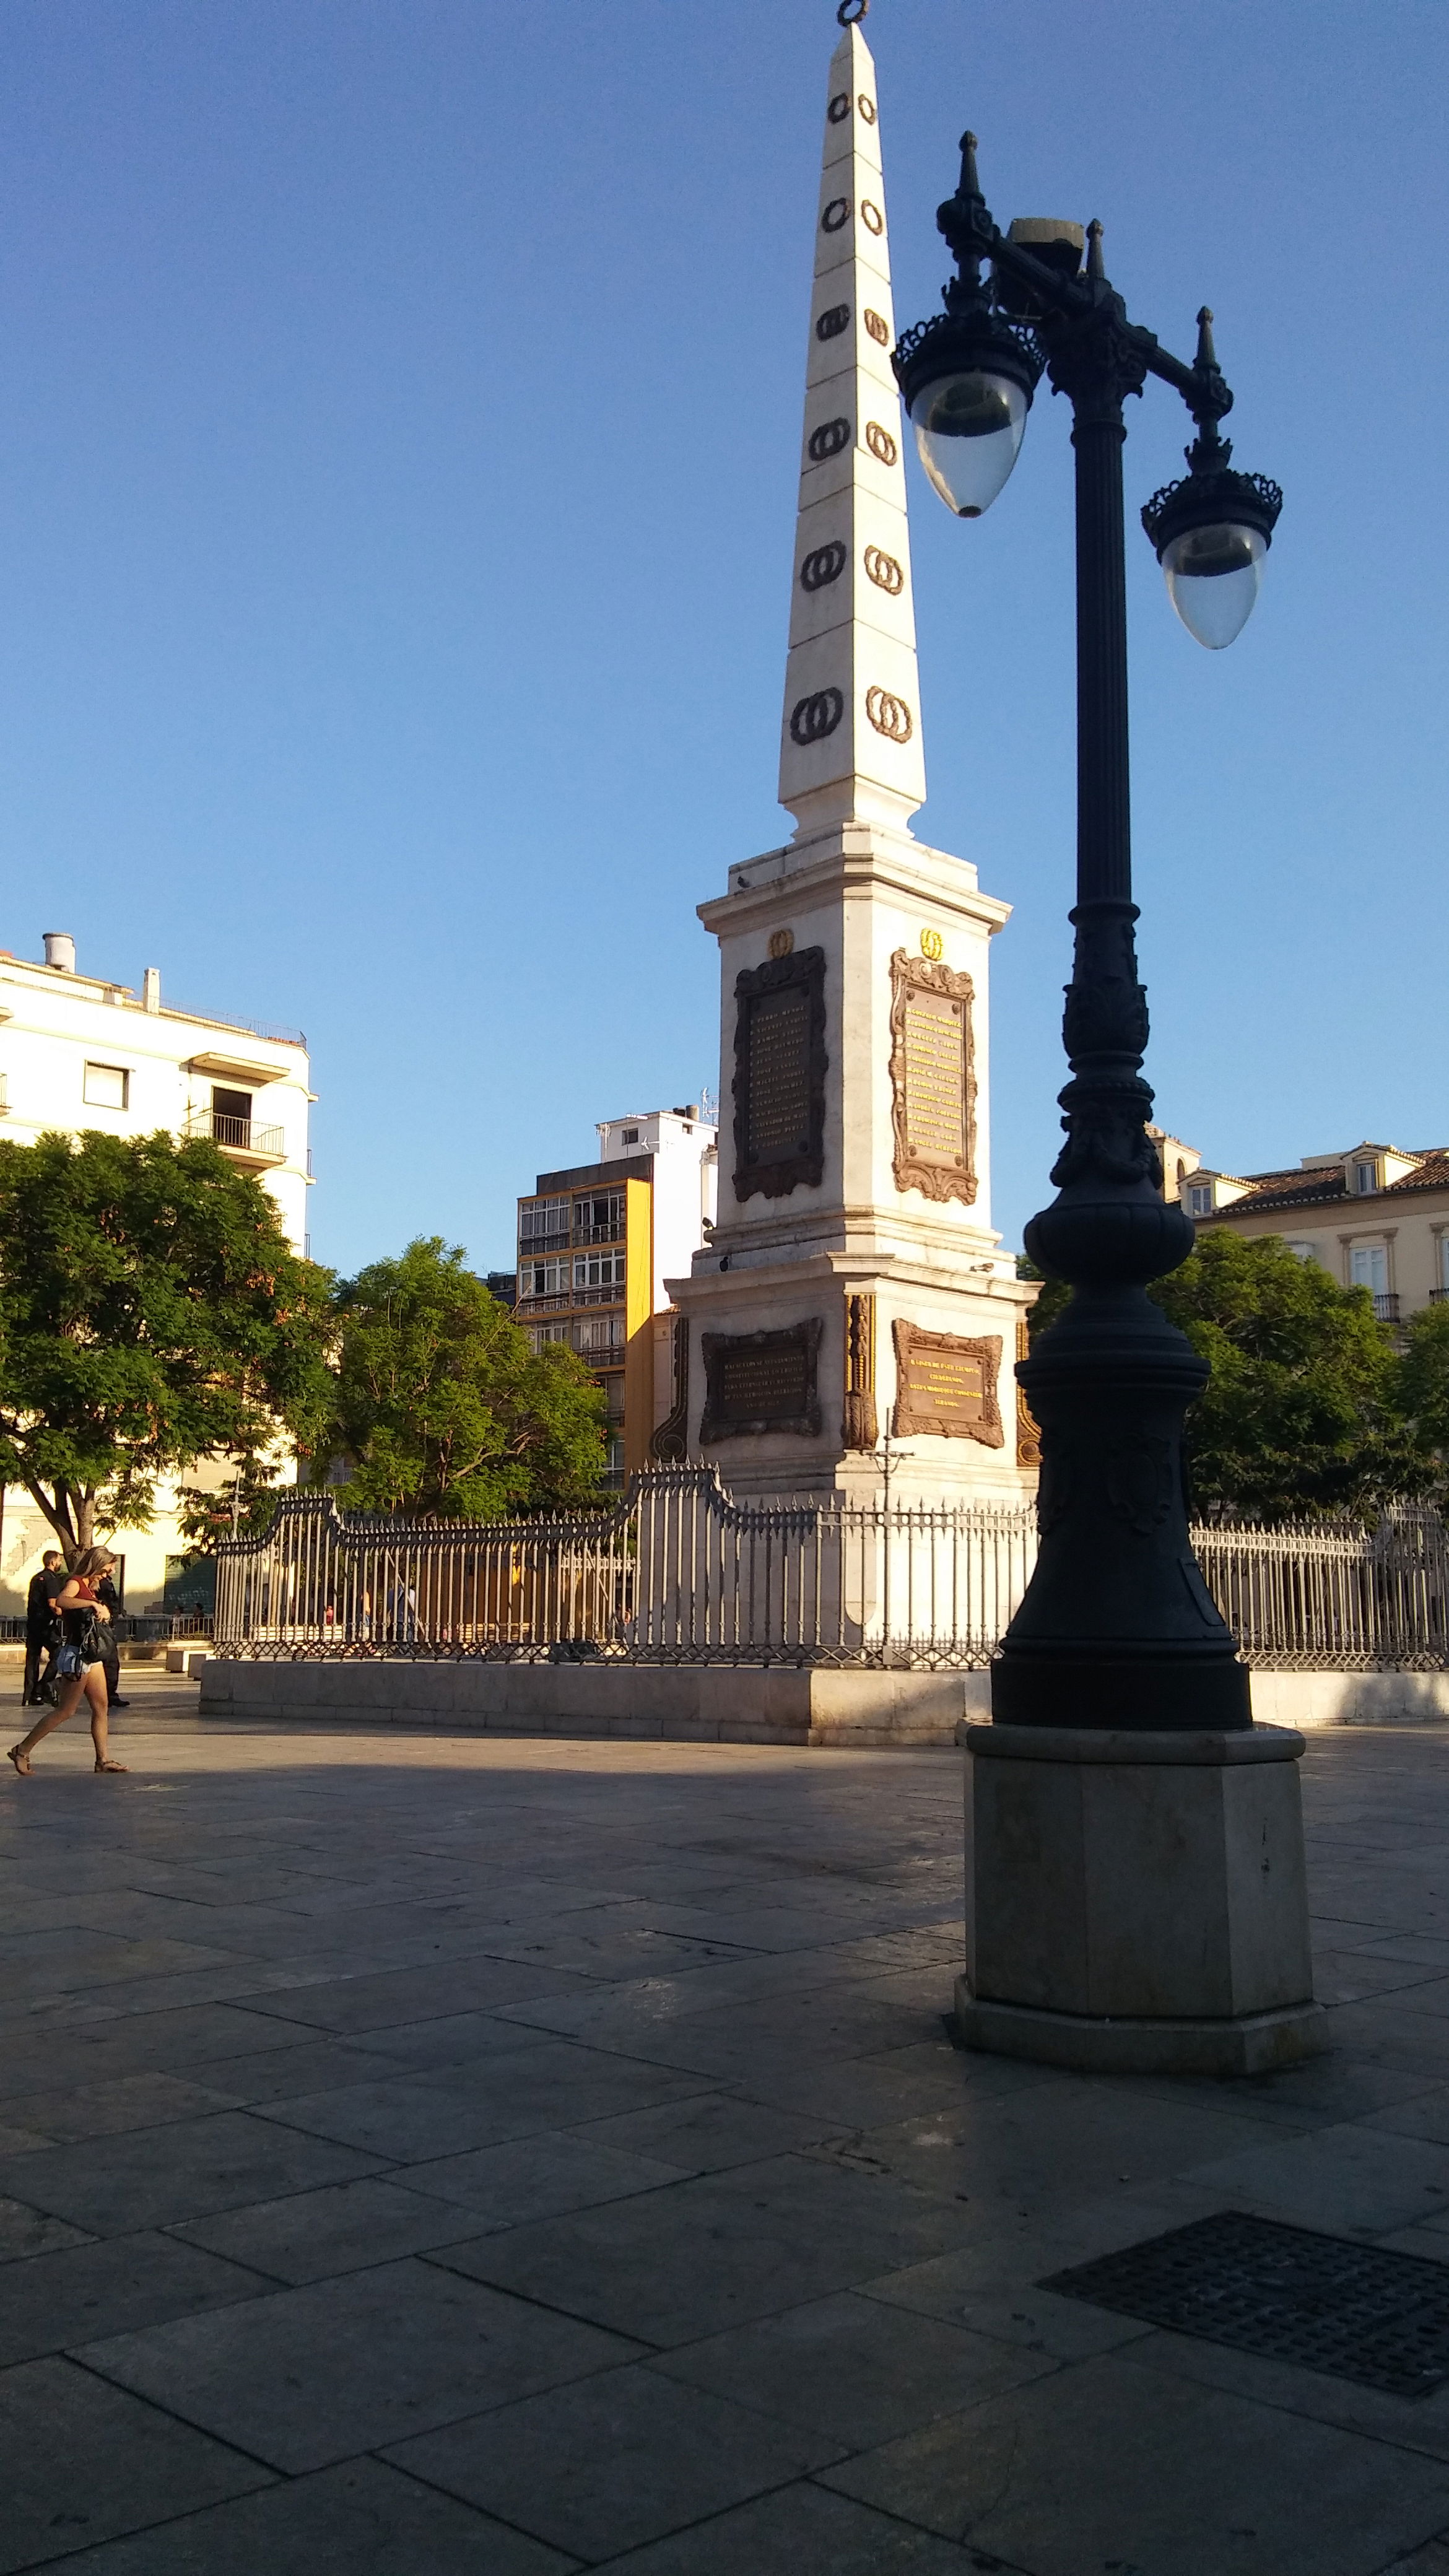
x: 79, y: 1051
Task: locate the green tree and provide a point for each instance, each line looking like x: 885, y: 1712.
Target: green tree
x: 151, y: 1314
x: 441, y: 1405
x: 1303, y: 1412
x: 242, y: 1507
x: 1424, y: 1384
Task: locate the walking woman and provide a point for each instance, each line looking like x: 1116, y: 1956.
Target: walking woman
x: 80, y: 1666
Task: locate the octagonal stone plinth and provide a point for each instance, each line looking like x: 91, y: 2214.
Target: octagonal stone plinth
x: 1136, y: 1902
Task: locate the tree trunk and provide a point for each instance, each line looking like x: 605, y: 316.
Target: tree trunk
x: 67, y: 1524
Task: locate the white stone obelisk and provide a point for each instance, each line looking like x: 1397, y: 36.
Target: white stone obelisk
x: 852, y: 629
x: 853, y: 1288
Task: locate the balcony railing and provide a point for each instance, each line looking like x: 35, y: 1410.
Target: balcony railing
x: 1386, y: 1305
x: 530, y: 1305
x: 238, y: 1135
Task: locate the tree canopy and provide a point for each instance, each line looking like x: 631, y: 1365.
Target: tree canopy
x: 151, y: 1314
x: 440, y: 1404
x: 1424, y: 1381
x: 1305, y: 1411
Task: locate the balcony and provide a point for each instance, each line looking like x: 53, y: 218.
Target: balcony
x: 1437, y: 1296
x: 242, y: 1138
x: 1386, y: 1305
x: 571, y: 1297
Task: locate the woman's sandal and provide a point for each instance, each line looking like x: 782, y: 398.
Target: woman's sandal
x: 111, y: 1766
x: 21, y: 1761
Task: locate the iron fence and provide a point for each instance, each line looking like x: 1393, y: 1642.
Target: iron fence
x: 138, y: 1628
x: 1333, y: 1595
x: 678, y: 1571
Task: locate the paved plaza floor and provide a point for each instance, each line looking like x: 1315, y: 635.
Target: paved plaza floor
x: 426, y: 2154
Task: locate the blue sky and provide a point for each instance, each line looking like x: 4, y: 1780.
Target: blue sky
x: 398, y: 422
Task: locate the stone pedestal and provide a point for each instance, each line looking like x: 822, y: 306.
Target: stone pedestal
x: 1136, y: 1902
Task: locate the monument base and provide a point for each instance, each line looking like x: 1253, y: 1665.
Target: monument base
x: 1136, y: 1902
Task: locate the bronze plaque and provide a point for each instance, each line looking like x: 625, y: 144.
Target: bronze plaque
x: 756, y: 1382
x: 779, y: 1076
x: 779, y: 1084
x: 946, y: 1385
x: 932, y: 1079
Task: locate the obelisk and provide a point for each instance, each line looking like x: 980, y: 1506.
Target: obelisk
x: 853, y: 1288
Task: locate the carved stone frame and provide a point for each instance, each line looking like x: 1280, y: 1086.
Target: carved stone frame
x: 669, y: 1446
x: 803, y: 971
x: 859, y: 1428
x: 909, y: 1418
x: 934, y: 1179
x: 713, y: 1349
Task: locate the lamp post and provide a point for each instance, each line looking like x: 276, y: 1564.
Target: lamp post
x: 1123, y: 1752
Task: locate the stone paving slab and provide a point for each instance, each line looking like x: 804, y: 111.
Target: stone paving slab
x: 364, y: 2519
x: 438, y: 2152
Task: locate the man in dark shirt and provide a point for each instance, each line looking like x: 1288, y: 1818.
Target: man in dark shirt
x: 42, y: 1628
x: 110, y: 1656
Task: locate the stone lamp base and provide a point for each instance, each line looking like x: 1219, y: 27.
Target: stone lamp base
x: 1136, y: 1902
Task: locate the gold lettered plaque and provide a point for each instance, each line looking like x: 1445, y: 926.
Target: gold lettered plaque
x: 932, y: 1078
x: 946, y: 1385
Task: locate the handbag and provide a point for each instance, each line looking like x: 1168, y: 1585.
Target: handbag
x: 82, y: 1648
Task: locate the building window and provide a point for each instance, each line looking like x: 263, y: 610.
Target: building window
x: 599, y: 1270
x: 1200, y: 1199
x: 601, y: 1219
x: 1368, y: 1267
x: 628, y: 1135
x: 231, y: 1116
x: 1365, y: 1178
x: 543, y: 1279
x: 600, y: 1334
x: 544, y: 1220
x: 542, y: 1334
x: 1444, y: 1262
x: 108, y: 1086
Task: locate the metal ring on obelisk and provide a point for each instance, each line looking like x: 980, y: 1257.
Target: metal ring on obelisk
x: 827, y: 440
x: 812, y: 718
x: 889, y: 715
x: 823, y: 564
x: 836, y: 214
x: 851, y: 12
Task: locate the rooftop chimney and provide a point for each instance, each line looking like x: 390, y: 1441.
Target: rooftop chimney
x: 151, y: 989
x: 60, y: 950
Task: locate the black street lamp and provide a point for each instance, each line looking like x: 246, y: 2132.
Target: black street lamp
x: 1116, y: 1628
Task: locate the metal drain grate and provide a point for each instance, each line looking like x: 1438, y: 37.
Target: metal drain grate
x: 1354, y: 2311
